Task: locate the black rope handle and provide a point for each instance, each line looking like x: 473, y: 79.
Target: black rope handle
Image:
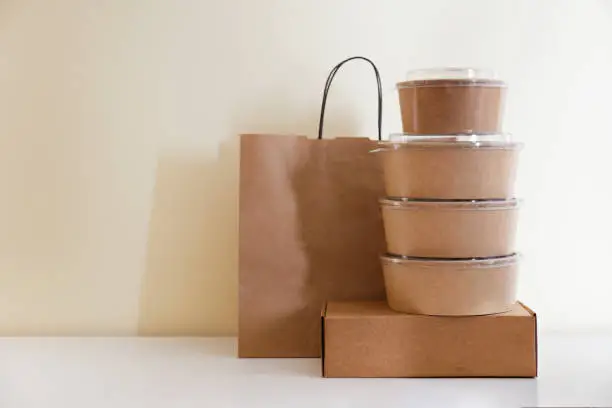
x: 328, y: 83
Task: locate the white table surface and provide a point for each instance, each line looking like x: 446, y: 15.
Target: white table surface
x: 575, y: 370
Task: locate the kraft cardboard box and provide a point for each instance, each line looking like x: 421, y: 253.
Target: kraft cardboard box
x: 367, y: 339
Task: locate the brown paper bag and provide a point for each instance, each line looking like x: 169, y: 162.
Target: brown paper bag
x: 310, y: 232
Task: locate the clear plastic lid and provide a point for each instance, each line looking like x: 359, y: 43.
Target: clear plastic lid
x: 452, y: 76
x: 459, y: 137
x: 491, y: 262
x: 464, y: 141
x: 451, y: 73
x: 470, y: 205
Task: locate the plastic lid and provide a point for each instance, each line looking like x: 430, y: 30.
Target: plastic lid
x: 470, y: 205
x: 464, y: 141
x: 459, y: 137
x: 452, y: 73
x: 451, y: 77
x: 490, y: 262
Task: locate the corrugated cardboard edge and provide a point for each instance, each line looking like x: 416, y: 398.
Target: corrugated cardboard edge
x: 323, y: 313
x: 535, y: 334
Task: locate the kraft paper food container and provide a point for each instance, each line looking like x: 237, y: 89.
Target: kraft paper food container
x: 470, y: 166
x: 450, y: 287
x: 450, y: 229
x: 452, y: 100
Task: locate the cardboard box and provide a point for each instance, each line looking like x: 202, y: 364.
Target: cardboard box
x: 367, y: 339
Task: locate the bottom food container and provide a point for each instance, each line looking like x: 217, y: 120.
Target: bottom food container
x: 450, y: 287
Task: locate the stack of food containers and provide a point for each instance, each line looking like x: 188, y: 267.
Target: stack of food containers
x: 450, y: 214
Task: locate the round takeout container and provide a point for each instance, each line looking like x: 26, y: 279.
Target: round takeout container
x: 450, y: 229
x: 452, y: 100
x: 470, y: 166
x: 446, y: 287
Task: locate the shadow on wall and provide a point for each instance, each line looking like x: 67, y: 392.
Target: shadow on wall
x: 189, y: 286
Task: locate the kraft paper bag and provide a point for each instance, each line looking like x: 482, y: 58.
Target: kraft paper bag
x: 310, y: 232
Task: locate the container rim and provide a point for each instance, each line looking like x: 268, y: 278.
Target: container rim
x: 469, y: 140
x: 484, y: 262
x: 449, y: 204
x: 475, y: 136
x: 452, y: 83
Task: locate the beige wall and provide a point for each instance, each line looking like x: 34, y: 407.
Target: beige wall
x: 118, y: 177
x: 118, y: 148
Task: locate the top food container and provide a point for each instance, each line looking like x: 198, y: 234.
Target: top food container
x: 451, y: 100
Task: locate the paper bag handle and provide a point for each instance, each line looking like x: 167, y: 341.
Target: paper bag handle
x: 328, y: 83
